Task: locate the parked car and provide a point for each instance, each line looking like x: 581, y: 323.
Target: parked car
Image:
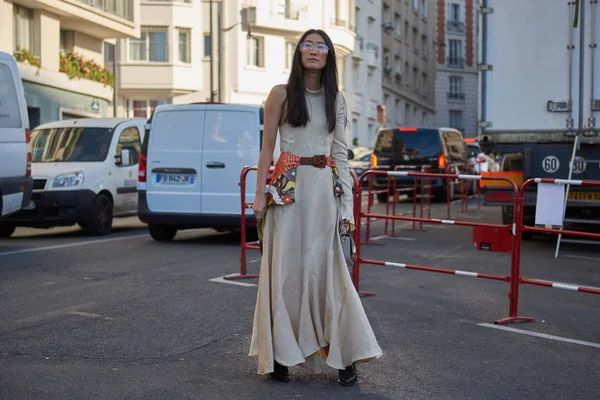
x: 84, y: 172
x: 189, y: 170
x: 441, y: 150
x: 359, y: 160
x: 15, y: 160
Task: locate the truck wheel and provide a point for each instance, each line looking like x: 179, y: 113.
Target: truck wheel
x: 6, y: 229
x: 161, y: 233
x: 100, y: 223
x: 382, y: 197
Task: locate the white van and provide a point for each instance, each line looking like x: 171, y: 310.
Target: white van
x: 189, y: 170
x: 15, y: 160
x: 84, y: 172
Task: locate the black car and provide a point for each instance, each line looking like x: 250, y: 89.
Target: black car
x: 440, y: 150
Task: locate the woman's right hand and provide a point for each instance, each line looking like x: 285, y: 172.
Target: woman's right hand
x: 259, y: 205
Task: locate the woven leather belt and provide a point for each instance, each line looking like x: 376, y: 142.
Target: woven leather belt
x: 319, y: 161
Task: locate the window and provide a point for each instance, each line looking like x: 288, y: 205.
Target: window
x: 407, y: 120
x: 109, y: 49
x: 415, y: 5
x: 415, y: 78
x: 455, y: 91
x: 63, y: 42
x: 23, y: 24
x: 454, y: 12
x: 255, y: 51
x: 425, y: 84
x: 151, y: 46
x: 9, y: 104
x: 184, y: 45
x: 71, y: 144
x: 207, y: 44
x: 424, y: 8
x: 290, y: 48
x: 424, y: 46
x: 387, y: 68
x: 130, y: 140
x: 387, y: 18
x: 140, y: 109
x: 455, y: 58
x: 397, y: 26
x: 456, y: 119
x: 415, y: 39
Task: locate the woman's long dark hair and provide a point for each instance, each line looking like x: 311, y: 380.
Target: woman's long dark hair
x: 295, y: 106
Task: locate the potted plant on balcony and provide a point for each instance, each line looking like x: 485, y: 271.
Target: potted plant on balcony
x: 77, y: 66
x: 26, y: 57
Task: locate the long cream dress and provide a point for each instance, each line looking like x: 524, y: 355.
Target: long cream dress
x: 307, y: 305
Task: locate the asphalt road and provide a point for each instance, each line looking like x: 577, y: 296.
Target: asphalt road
x: 123, y: 317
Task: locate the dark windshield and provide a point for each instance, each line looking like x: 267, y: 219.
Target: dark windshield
x: 420, y: 143
x: 70, y: 144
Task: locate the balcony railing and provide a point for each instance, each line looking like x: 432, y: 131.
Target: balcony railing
x: 360, y: 42
x: 373, y: 47
x: 342, y: 23
x: 119, y: 8
x: 456, y: 96
x: 293, y: 10
x: 455, y: 26
x: 455, y: 62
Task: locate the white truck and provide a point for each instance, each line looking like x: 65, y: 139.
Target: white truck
x: 84, y: 172
x: 539, y: 89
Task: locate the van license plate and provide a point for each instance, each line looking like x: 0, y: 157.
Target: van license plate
x: 181, y: 179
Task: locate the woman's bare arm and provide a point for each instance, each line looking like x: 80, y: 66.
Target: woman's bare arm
x: 273, y: 107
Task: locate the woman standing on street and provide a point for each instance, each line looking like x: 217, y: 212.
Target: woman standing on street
x: 307, y: 305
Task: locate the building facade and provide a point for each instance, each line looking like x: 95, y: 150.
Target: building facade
x: 456, y: 83
x: 165, y: 61
x: 362, y: 77
x: 60, y: 47
x: 408, y: 62
x: 253, y: 42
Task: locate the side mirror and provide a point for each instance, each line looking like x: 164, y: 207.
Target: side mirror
x: 124, y: 158
x: 350, y: 155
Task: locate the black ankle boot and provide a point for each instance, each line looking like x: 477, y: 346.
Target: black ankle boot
x: 281, y: 373
x: 348, y: 376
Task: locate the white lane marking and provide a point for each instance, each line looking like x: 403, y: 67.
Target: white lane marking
x: 255, y: 260
x: 55, y: 313
x: 63, y: 246
x: 542, y: 335
x: 231, y: 282
x: 89, y: 315
x: 582, y: 257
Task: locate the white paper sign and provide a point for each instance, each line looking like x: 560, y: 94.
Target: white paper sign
x: 550, y: 205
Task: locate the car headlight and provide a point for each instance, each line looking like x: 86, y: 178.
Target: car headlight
x: 68, y: 180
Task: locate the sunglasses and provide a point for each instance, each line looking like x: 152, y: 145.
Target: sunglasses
x: 319, y: 47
